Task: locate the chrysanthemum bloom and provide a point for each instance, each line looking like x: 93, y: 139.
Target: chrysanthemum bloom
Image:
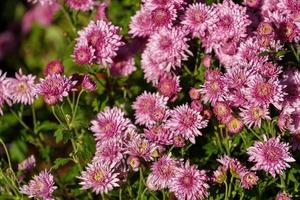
x: 288, y: 31
x: 272, y: 156
x: 83, y: 5
x: 213, y: 91
x: 83, y: 54
x: 159, y: 134
x: 169, y: 47
x: 198, y: 18
x: 123, y: 67
x: 103, y: 38
x: 109, y: 151
x: 100, y: 177
x: 194, y: 93
x: 206, y: 60
x: 265, y: 92
x: 232, y: 22
x: 283, y: 196
x: 178, y: 141
x: 249, y: 180
x: 291, y: 78
x: 139, y: 24
x: 168, y: 85
x: 220, y: 175
x: 162, y: 172
x: 253, y: 115
x: 223, y: 111
x: 27, y: 164
x: 88, y: 84
x: 147, y: 106
x: 207, y: 114
x: 189, y: 183
x: 133, y: 162
x: 249, y: 50
x: 22, y: 88
x: 163, y: 3
x: 150, y: 66
x: 54, y: 67
x: 270, y: 70
x: 109, y: 123
x: 284, y: 119
x: 232, y: 164
x: 141, y: 147
x: 234, y: 125
x: 54, y: 87
x: 237, y: 77
x: 196, y: 105
x: 186, y: 122
x: 41, y: 186
x: 253, y: 3
x: 4, y: 91
x: 161, y: 17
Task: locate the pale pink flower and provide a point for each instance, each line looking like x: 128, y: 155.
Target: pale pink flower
x: 54, y: 67
x: 83, y: 5
x: 27, y: 164
x: 4, y: 91
x: 283, y: 196
x: 253, y: 115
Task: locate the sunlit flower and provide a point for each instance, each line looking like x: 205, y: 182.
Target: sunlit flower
x: 83, y: 5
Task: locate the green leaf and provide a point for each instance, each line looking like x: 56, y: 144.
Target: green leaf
x: 59, y: 135
x: 60, y: 162
x: 47, y: 126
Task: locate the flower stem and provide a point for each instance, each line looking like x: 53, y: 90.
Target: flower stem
x: 19, y: 119
x: 7, y: 154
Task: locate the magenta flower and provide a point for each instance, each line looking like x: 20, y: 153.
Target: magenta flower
x: 253, y: 115
x: 101, y: 37
x: 283, y: 196
x: 41, y: 186
x: 22, y: 88
x: 169, y: 47
x: 150, y: 108
x: 249, y: 180
x: 83, y: 5
x: 265, y: 92
x: 161, y: 17
x: 213, y: 91
x: 186, y: 122
x: 199, y: 18
x: 189, y: 183
x: 54, y: 87
x: 43, y: 2
x: 4, y: 91
x: 234, y: 125
x: 123, y: 67
x: 272, y: 156
x: 168, y: 86
x: 162, y: 172
x: 109, y: 123
x: 159, y: 134
x: 223, y: 111
x: 100, y: 177
x: 27, y: 164
x: 83, y: 54
x: 54, y: 67
x: 139, y: 25
x: 109, y: 151
x: 88, y: 84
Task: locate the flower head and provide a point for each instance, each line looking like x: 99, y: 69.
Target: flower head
x: 109, y: 151
x: 54, y: 67
x: 190, y: 183
x: 109, y: 123
x: 283, y: 196
x: 22, y: 88
x: 41, y: 186
x: 83, y: 5
x: 248, y: 180
x: 4, y: 91
x: 27, y: 164
x: 100, y: 177
x: 186, y: 122
x: 254, y: 114
x: 272, y: 156
x: 168, y: 85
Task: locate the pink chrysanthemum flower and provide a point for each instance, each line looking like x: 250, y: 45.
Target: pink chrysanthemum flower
x: 22, y: 88
x: 162, y: 172
x: 109, y: 151
x: 272, y: 156
x: 265, y: 92
x: 234, y: 125
x: 199, y: 18
x: 196, y: 105
x: 123, y: 67
x: 133, y: 162
x: 161, y: 17
x: 4, y: 91
x: 248, y: 50
x: 220, y: 175
x: 54, y: 87
x: 54, y: 67
x: 159, y: 134
x: 213, y: 91
x: 27, y: 164
x: 83, y: 54
x: 141, y: 147
x: 237, y: 77
x: 189, y: 183
x: 42, y: 186
x: 223, y: 111
x: 100, y: 177
x: 150, y: 108
x: 103, y: 38
x: 83, y: 5
x: 150, y: 66
x: 88, y: 84
x: 42, y: 2
x: 249, y: 180
x: 186, y: 122
x: 253, y: 115
x: 169, y: 47
x: 194, y: 93
x: 270, y: 70
x: 109, y: 123
x: 163, y: 3
x: 168, y: 85
x: 139, y: 25
x: 283, y: 196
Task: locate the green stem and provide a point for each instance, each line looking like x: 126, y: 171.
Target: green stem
x: 19, y: 119
x: 226, y: 190
x: 120, y: 194
x: 219, y: 141
x: 76, y: 105
x: 295, y: 53
x: 7, y: 154
x: 187, y: 70
x: 140, y: 183
x: 69, y: 19
x: 33, y: 118
x: 163, y: 194
x: 230, y: 187
x: 55, y: 115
